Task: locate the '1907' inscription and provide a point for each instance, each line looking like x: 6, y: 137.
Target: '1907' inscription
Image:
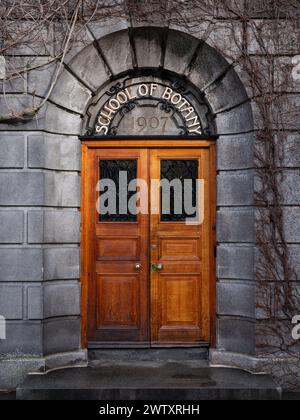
x: 141, y: 124
x: 148, y: 90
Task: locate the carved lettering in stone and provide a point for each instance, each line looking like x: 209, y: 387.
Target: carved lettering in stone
x: 124, y: 102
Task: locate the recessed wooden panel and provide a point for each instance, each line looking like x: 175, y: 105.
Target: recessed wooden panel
x: 175, y: 247
x: 182, y: 267
x: 118, y: 248
x: 115, y: 267
x: 117, y: 301
x: 181, y: 306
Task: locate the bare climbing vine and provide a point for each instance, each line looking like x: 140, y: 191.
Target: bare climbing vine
x: 261, y: 39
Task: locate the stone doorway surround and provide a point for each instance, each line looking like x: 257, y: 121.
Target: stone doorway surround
x: 48, y: 265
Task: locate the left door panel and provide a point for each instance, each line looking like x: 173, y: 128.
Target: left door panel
x: 118, y: 296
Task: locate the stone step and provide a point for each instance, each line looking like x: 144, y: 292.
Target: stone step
x: 149, y: 381
x: 100, y: 357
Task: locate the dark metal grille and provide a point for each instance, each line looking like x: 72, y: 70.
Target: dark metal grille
x: 110, y: 169
x: 179, y: 170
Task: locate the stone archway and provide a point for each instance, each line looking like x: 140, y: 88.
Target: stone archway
x: 113, y: 56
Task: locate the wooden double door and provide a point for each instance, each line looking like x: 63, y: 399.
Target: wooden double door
x: 148, y: 278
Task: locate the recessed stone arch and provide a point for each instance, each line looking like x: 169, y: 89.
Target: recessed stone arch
x: 172, y: 52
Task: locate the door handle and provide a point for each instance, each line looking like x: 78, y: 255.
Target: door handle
x: 138, y: 266
x: 157, y: 267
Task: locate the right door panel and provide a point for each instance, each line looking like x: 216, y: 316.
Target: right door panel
x: 180, y: 247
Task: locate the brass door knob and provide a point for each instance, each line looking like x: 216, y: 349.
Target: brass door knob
x: 138, y: 266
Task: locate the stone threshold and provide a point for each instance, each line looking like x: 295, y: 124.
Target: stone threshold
x: 159, y: 380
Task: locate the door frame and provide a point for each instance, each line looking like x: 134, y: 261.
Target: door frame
x: 150, y: 143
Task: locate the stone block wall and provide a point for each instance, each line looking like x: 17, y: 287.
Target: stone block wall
x: 39, y: 243
x: 40, y: 195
